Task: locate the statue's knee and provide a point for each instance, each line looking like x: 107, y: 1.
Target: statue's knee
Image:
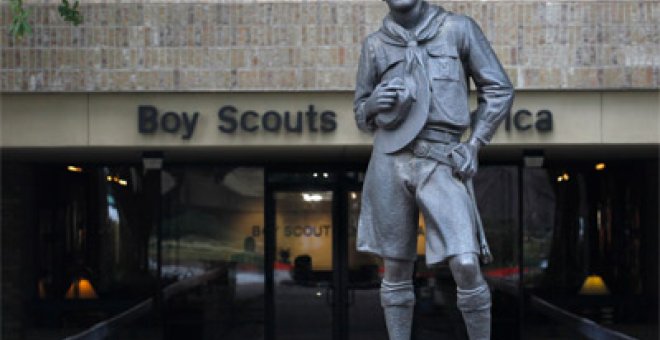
x: 397, y: 293
x: 466, y: 271
x: 467, y: 262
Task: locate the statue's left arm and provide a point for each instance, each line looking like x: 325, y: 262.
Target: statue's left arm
x: 494, y: 89
x: 494, y: 93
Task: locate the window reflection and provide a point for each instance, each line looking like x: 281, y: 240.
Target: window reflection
x: 213, y: 241
x: 90, y: 247
x: 597, y: 264
x: 95, y: 244
x: 496, y: 190
x: 539, y: 208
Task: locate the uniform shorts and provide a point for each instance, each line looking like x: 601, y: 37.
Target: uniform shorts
x: 396, y: 188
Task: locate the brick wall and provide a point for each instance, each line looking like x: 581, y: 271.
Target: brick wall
x: 314, y: 45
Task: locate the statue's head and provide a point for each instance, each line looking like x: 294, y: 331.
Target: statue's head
x: 401, y: 5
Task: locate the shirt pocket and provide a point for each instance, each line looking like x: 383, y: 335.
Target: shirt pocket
x: 450, y: 97
x: 443, y: 63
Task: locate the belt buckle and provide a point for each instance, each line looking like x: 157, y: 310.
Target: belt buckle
x: 421, y: 148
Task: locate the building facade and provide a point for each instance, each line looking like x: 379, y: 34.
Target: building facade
x: 193, y: 169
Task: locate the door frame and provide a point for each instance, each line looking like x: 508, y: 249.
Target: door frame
x: 340, y: 189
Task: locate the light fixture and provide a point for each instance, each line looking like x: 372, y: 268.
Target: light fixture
x: 152, y: 160
x: 74, y: 168
x: 353, y: 195
x: 533, y: 158
x: 315, y: 174
x: 117, y: 180
x: 563, y: 177
x: 82, y: 289
x: 307, y: 197
x: 594, y: 285
x: 600, y: 166
x: 325, y: 175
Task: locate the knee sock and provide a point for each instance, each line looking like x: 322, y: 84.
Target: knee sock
x: 398, y: 301
x: 475, y: 307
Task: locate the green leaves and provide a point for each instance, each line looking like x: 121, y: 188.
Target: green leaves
x: 20, y: 26
x: 70, y: 13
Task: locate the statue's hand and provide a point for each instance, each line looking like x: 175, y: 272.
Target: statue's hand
x: 382, y: 98
x: 466, y: 158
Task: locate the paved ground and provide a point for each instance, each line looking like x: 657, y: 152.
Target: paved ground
x: 218, y: 312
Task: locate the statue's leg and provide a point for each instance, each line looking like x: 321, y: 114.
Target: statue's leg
x: 397, y: 296
x: 473, y: 297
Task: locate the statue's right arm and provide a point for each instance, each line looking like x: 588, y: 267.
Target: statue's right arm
x: 364, y: 86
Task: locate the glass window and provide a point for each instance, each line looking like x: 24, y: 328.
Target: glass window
x: 213, y: 251
x: 591, y: 241
x: 86, y: 243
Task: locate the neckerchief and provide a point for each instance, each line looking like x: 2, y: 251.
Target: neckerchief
x: 427, y: 29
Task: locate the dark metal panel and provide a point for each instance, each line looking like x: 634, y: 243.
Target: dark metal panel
x: 269, y: 259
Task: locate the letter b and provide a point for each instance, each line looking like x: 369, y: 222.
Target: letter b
x: 147, y: 119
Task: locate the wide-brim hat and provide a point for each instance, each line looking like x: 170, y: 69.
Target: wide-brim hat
x: 407, y: 117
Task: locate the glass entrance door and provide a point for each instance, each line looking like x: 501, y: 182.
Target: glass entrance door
x: 303, y: 265
x: 319, y: 286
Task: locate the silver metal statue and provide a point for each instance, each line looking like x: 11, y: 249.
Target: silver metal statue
x: 412, y: 91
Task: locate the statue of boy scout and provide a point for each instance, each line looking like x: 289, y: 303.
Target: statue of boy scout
x: 412, y: 90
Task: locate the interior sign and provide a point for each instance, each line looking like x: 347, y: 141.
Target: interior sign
x: 306, y: 231
x: 230, y: 120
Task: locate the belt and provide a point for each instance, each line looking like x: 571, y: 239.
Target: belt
x: 439, y: 136
x: 437, y: 151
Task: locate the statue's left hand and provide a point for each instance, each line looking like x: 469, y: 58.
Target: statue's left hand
x: 466, y: 156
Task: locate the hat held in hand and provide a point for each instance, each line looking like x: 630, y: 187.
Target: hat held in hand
x: 392, y: 118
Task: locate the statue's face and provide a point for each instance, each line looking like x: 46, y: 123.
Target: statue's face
x: 401, y: 5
